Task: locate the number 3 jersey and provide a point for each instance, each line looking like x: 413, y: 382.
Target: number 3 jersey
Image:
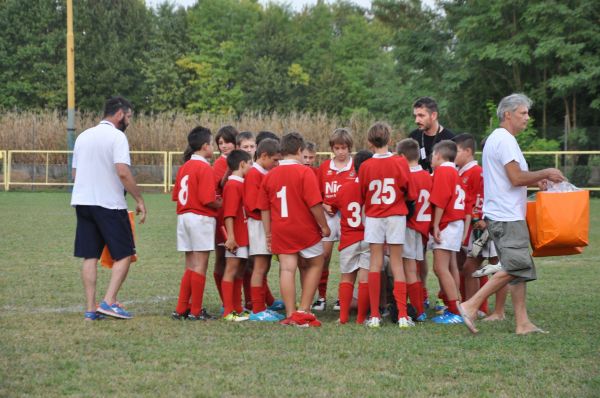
x: 289, y: 191
x: 195, y: 187
x: 349, y: 202
x: 421, y: 219
x: 448, y: 193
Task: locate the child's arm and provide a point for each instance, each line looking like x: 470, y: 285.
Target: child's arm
x: 266, y: 220
x: 319, y: 215
x: 438, y: 212
x: 466, y: 228
x: 216, y: 204
x: 230, y: 243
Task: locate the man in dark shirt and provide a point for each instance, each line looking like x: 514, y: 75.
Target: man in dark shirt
x: 429, y: 131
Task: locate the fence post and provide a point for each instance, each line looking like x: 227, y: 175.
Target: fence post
x: 165, y: 160
x: 8, y: 162
x: 4, y: 159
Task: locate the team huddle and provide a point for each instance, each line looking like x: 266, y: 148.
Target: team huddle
x: 264, y: 197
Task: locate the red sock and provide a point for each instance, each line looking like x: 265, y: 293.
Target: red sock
x: 237, y: 295
x: 363, y: 302
x: 484, y: 306
x: 228, y: 302
x: 197, y: 282
x: 269, y: 299
x: 218, y: 280
x: 185, y: 292
x: 345, y: 294
x: 462, y: 290
x: 452, y: 307
x: 248, y: 289
x: 323, y: 283
x: 414, y: 293
x: 400, y: 296
x: 444, y: 298
x: 258, y: 299
x: 374, y: 292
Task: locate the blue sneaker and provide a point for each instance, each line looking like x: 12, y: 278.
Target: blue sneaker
x: 422, y: 317
x: 93, y: 316
x: 447, y: 318
x: 277, y: 306
x: 114, y: 310
x: 263, y: 316
x: 279, y: 316
x: 426, y: 303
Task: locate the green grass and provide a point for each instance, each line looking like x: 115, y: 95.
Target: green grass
x: 47, y: 349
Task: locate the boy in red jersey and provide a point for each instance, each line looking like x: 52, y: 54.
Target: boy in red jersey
x: 418, y: 225
x: 236, y: 243
x: 294, y: 223
x: 449, y: 202
x: 354, y: 251
x: 267, y: 157
x: 309, y: 157
x: 385, y: 186
x: 333, y: 173
x: 197, y: 205
x: 246, y: 142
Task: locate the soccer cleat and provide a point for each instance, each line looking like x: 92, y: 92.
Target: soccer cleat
x: 263, y: 316
x: 479, y: 243
x: 276, y: 306
x: 177, y: 316
x: 405, y: 322
x: 422, y: 317
x: 319, y: 305
x: 235, y: 317
x: 489, y: 269
x: 373, y: 322
x: 285, y: 321
x: 207, y: 316
x: 426, y: 304
x: 93, y: 316
x: 314, y: 324
x: 336, y: 306
x: 114, y: 310
x: 276, y: 314
x: 440, y: 307
x: 447, y: 318
x: 481, y: 314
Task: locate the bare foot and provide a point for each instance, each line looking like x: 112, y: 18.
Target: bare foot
x: 494, y: 317
x: 529, y: 329
x: 467, y: 318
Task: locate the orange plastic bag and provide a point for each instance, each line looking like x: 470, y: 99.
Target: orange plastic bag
x: 105, y: 259
x: 541, y: 251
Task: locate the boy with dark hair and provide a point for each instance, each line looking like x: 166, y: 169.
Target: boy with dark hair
x: 266, y: 134
x: 294, y: 223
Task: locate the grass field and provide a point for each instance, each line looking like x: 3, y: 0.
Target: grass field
x: 47, y: 349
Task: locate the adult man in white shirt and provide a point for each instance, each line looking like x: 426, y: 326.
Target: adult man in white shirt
x: 505, y: 179
x: 101, y: 176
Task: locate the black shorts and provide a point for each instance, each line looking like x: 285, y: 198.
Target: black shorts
x: 98, y: 226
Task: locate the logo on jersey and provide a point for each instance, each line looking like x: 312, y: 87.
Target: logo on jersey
x: 331, y: 187
x: 329, y: 172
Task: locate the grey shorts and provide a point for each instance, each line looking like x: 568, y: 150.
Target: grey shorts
x: 511, y: 239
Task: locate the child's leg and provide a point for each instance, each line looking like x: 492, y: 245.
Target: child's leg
x: 471, y: 284
x: 185, y: 292
x: 396, y: 262
x: 498, y: 314
x: 287, y: 280
x: 345, y: 294
x: 248, y: 266
x: 363, y: 295
x: 413, y: 285
x: 259, y: 273
x: 327, y: 250
x: 375, y: 266
x: 197, y: 262
x: 460, y: 262
x: 238, y: 285
x: 423, y: 272
x: 454, y: 271
x: 442, y: 260
x: 219, y: 267
x: 314, y: 269
x: 232, y: 266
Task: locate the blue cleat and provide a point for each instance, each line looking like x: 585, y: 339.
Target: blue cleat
x: 447, y: 318
x: 426, y: 303
x: 422, y: 317
x: 93, y: 316
x: 281, y: 317
x: 263, y: 316
x: 276, y: 306
x: 114, y: 310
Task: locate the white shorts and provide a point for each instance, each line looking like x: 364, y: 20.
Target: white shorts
x: 195, y: 232
x: 257, y: 238
x: 312, y: 251
x: 241, y: 252
x: 390, y: 230
x: 451, y: 237
x: 334, y: 226
x: 413, y: 247
x: 354, y: 257
x: 489, y: 250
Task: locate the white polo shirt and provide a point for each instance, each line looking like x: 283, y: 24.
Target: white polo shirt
x: 96, y: 152
x: 501, y: 200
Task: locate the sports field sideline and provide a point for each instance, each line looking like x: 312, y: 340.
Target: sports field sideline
x: 47, y: 349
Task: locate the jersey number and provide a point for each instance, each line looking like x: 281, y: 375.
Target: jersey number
x: 183, y: 190
x: 459, y: 203
x: 355, y: 217
x: 384, y: 191
x: 282, y: 195
x: 423, y: 198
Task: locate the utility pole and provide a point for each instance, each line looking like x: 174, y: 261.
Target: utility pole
x: 70, y: 86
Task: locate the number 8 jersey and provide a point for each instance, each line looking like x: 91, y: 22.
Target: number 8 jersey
x: 195, y: 187
x: 447, y: 193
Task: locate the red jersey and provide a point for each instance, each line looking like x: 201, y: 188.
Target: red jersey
x: 421, y: 219
x: 220, y: 168
x: 385, y: 185
x: 471, y: 177
x: 349, y: 202
x: 289, y: 191
x: 252, y: 184
x: 194, y: 187
x: 233, y: 206
x: 331, y: 178
x: 448, y: 194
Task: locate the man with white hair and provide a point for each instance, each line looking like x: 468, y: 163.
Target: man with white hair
x: 505, y: 178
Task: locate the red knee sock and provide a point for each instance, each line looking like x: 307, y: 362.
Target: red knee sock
x: 443, y: 296
x: 237, y: 295
x: 185, y: 292
x: 228, y: 297
x: 345, y: 295
x: 400, y: 296
x: 258, y: 299
x: 484, y: 306
x: 363, y: 302
x: 323, y: 283
x: 197, y: 283
x: 415, y: 295
x: 374, y: 292
x: 269, y: 299
x: 453, y: 307
x: 218, y: 280
x: 248, y: 290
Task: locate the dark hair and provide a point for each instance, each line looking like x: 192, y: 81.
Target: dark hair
x: 196, y: 139
x: 466, y: 141
x: 114, y: 104
x: 341, y: 136
x: 236, y: 157
x: 268, y: 146
x: 379, y: 134
x: 311, y: 146
x: 227, y: 133
x: 291, y: 143
x: 426, y: 102
x: 409, y: 148
x: 446, y: 149
x: 360, y: 157
x: 243, y: 136
x: 266, y: 134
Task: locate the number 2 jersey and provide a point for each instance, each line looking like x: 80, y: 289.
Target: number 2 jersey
x: 195, y: 187
x: 233, y: 206
x: 421, y: 218
x: 289, y: 191
x: 447, y: 193
x: 349, y: 202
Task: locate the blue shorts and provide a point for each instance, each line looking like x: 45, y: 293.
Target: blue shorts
x: 98, y: 226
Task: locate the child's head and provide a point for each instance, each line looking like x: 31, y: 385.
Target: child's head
x: 360, y: 157
x: 340, y: 142
x: 264, y: 135
x: 240, y: 161
x: 309, y: 154
x: 409, y: 148
x: 379, y: 134
x: 199, y: 139
x: 225, y: 139
x: 465, y: 149
x: 292, y: 144
x: 443, y: 151
x: 267, y: 153
x: 246, y: 142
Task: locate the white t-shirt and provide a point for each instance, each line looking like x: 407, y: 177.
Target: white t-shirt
x: 96, y: 152
x: 502, y: 201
